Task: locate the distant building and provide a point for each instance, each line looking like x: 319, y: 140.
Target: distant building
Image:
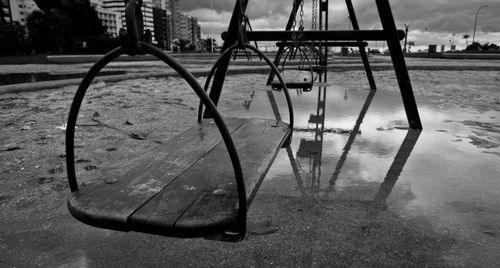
x: 111, y: 20
x: 16, y: 10
x: 119, y: 6
x: 5, y: 12
x: 161, y: 4
x: 181, y: 26
x: 170, y: 30
x: 160, y: 26
x: 174, y: 18
x: 196, y: 33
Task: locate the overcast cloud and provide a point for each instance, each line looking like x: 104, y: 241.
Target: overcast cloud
x: 430, y: 21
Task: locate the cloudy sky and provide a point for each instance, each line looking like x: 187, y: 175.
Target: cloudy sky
x: 431, y: 22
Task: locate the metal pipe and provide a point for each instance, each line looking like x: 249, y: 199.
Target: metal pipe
x: 475, y: 22
x: 365, y: 35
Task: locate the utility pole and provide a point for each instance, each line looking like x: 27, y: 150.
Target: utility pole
x: 475, y: 22
x: 212, y: 28
x: 406, y: 37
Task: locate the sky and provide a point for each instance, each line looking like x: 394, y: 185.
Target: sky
x: 430, y: 21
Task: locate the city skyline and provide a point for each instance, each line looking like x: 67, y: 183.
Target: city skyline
x: 429, y: 23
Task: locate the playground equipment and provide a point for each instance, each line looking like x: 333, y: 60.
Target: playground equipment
x: 299, y: 62
x: 185, y: 187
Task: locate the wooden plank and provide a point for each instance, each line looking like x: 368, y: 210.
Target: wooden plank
x: 110, y: 205
x: 294, y: 79
x: 293, y: 85
x: 191, y: 206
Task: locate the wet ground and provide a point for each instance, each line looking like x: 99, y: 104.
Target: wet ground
x: 356, y: 187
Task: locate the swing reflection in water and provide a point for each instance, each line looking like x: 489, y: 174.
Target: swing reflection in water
x: 306, y: 158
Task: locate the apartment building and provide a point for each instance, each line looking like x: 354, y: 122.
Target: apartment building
x: 16, y: 10
x: 5, y: 13
x: 119, y: 7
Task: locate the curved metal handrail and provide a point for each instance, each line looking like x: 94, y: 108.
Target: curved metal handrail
x: 290, y: 52
x: 315, y: 55
x: 227, y: 53
x: 135, y: 26
x: 186, y: 75
x: 211, y: 74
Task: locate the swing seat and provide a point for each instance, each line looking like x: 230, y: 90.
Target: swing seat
x: 198, y: 184
x: 300, y: 80
x: 186, y: 186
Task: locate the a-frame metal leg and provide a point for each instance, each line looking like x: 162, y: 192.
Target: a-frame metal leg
x: 288, y: 27
x: 323, y: 23
x: 399, y: 63
x: 230, y: 39
x: 362, y: 51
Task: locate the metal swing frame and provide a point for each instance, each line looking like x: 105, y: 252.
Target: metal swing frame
x: 131, y: 44
x: 355, y: 37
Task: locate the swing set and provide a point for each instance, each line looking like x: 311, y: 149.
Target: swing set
x: 201, y: 183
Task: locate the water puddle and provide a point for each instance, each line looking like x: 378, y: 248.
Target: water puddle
x: 18, y: 78
x: 354, y: 144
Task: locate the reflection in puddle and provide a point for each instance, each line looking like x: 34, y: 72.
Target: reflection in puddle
x: 307, y: 160
x: 17, y: 78
x: 354, y: 144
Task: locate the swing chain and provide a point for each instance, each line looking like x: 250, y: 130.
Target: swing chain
x: 244, y: 25
x: 301, y: 24
x: 314, y: 14
x: 130, y: 38
x: 294, y: 24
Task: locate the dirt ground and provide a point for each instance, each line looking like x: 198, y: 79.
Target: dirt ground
x: 120, y: 120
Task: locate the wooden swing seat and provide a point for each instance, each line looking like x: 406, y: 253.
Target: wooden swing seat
x: 301, y: 80
x: 186, y: 186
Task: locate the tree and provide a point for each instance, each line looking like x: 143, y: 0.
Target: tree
x: 66, y: 22
x: 209, y: 44
x: 12, y: 38
x: 476, y: 46
x: 466, y: 37
x: 45, y: 31
x: 181, y: 44
x: 488, y: 46
x: 410, y: 44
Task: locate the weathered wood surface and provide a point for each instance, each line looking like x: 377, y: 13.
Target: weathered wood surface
x: 294, y: 79
x: 110, y: 205
x: 204, y: 199
x: 185, y: 187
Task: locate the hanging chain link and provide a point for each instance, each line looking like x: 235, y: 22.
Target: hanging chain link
x: 314, y: 15
x: 301, y: 25
x: 294, y: 24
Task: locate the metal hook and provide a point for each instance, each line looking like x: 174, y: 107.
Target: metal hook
x: 130, y: 39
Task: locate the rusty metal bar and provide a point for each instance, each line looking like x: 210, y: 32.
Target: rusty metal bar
x: 364, y: 56
x: 230, y: 37
x: 288, y: 26
x: 399, y: 63
x: 366, y: 35
x: 327, y: 44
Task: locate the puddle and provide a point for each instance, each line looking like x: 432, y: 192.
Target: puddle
x: 351, y: 150
x: 454, y: 160
x: 18, y: 78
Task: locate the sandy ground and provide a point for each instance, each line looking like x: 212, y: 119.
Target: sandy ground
x: 461, y: 109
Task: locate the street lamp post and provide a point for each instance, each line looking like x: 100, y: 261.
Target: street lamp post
x: 212, y: 28
x: 406, y: 37
x: 475, y: 22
